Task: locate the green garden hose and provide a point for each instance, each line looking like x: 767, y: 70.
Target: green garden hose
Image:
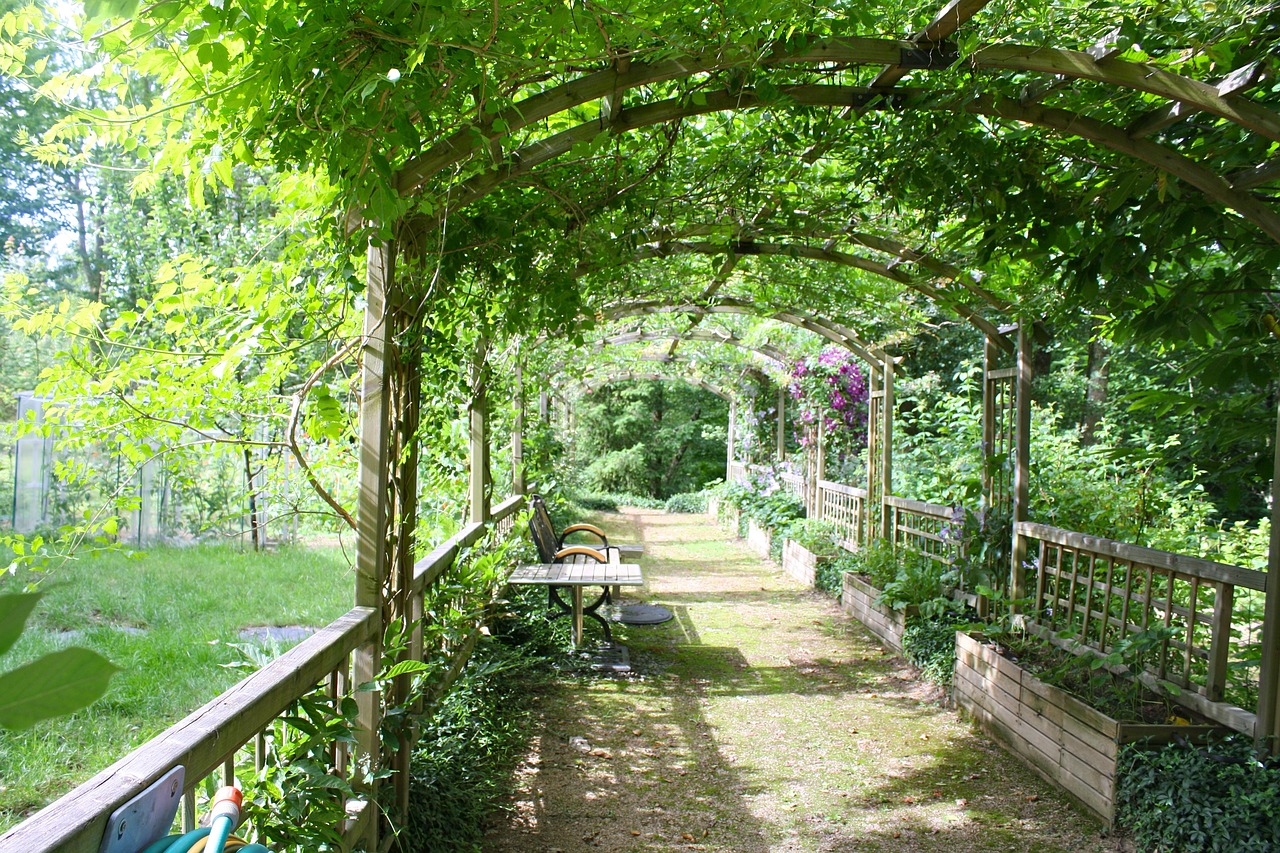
x: 214, y: 838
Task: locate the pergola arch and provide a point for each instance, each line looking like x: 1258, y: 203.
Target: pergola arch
x: 592, y: 384
x: 767, y: 350
x: 833, y: 332
x: 525, y: 159
x: 823, y: 254
x: 627, y: 73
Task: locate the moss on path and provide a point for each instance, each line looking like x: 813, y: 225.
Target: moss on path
x: 763, y: 719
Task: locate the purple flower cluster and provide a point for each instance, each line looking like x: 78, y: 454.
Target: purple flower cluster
x: 832, y: 387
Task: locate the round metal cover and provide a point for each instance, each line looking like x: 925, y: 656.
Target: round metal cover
x: 642, y: 614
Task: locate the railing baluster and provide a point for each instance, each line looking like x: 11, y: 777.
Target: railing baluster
x: 1219, y: 641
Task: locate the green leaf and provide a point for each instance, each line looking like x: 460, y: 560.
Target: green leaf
x: 407, y: 667
x: 95, y: 9
x: 14, y: 610
x: 56, y: 684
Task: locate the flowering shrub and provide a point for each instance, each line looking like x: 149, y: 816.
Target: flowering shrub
x: 831, y: 387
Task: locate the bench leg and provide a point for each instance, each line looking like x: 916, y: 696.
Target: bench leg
x: 578, y: 609
x: 577, y: 616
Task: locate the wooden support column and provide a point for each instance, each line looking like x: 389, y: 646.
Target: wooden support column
x: 886, y: 444
x: 820, y: 468
x: 729, y: 442
x: 479, y: 456
x: 875, y: 421
x: 990, y: 362
x: 781, y: 452
x: 1268, y: 732
x: 373, y: 513
x: 544, y: 406
x: 1021, y: 461
x: 517, y: 435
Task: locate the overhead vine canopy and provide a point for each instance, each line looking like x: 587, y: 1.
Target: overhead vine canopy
x: 875, y: 167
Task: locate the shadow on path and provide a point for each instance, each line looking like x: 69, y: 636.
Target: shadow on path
x: 761, y: 719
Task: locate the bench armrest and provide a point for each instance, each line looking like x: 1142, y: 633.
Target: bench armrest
x: 581, y: 551
x: 584, y: 528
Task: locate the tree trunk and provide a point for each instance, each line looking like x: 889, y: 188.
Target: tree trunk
x: 255, y: 534
x: 1097, y: 368
x: 90, y: 262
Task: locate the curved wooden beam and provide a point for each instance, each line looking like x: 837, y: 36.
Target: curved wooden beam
x: 700, y: 335
x: 833, y: 332
x: 876, y: 242
x: 813, y: 253
x: 1110, y: 136
x: 1144, y: 77
x: 639, y: 376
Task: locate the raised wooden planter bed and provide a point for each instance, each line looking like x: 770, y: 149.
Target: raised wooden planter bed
x: 799, y: 562
x: 759, y: 539
x: 859, y: 601
x: 1061, y: 738
x: 725, y: 514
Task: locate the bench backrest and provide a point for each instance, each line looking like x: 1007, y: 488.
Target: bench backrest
x: 542, y: 530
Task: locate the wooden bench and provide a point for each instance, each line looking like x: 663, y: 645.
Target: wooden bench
x: 577, y: 566
x: 576, y: 575
x: 549, y: 542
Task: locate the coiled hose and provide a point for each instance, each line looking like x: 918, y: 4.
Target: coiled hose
x: 214, y: 838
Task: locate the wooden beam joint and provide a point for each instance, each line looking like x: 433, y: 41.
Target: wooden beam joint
x: 929, y: 56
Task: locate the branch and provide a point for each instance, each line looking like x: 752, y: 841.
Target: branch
x: 291, y: 432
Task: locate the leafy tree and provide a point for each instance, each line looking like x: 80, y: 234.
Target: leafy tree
x: 653, y: 439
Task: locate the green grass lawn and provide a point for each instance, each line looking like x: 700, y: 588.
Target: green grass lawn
x: 169, y: 619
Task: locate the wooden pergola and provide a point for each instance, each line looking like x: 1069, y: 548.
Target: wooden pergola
x: 1140, y: 109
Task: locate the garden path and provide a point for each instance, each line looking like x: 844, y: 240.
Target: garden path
x: 763, y: 719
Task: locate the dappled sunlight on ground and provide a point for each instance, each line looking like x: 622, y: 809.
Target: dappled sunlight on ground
x: 761, y: 719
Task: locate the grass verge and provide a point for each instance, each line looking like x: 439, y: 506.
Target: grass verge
x: 171, y: 619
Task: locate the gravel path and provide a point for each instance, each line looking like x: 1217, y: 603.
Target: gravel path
x: 762, y: 719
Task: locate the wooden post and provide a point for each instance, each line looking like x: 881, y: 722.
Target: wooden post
x: 479, y: 456
x: 820, y: 467
x: 886, y: 443
x: 990, y: 361
x: 733, y: 420
x: 874, y: 509
x: 517, y: 435
x: 1268, y: 732
x: 1022, y: 463
x: 544, y: 406
x: 782, y: 425
x: 373, y: 513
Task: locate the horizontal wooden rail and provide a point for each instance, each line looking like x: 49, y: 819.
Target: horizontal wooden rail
x: 201, y: 742
x: 1092, y: 594
x: 429, y: 569
x: 1180, y: 563
x: 842, y: 489
x: 919, y: 507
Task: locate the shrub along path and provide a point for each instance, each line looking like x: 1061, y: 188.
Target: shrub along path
x: 763, y: 719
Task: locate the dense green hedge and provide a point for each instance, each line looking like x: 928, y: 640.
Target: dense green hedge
x: 1218, y: 799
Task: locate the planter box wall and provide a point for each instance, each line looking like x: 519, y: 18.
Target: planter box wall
x: 759, y: 539
x: 799, y: 562
x: 885, y: 623
x: 1062, y: 739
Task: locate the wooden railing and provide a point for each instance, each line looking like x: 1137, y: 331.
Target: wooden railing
x: 1091, y: 594
x: 737, y: 473
x: 1100, y: 593
x: 207, y: 741
x: 923, y: 528
x: 795, y: 483
x: 846, y: 507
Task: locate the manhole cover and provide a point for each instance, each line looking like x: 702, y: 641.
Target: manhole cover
x: 642, y: 614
